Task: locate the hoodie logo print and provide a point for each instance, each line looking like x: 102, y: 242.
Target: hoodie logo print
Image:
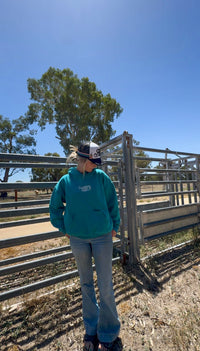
x: 85, y: 188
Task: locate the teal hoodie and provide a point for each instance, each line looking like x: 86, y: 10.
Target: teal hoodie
x: 84, y: 205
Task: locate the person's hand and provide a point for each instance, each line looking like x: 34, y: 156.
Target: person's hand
x: 114, y: 233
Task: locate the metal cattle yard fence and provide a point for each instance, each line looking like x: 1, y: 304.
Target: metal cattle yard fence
x: 158, y: 194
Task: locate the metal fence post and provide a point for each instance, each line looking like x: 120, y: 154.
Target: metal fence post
x: 198, y: 186
x: 130, y: 179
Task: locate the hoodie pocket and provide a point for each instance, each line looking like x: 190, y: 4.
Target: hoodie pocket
x: 90, y: 222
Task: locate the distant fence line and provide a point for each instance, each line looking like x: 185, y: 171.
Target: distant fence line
x: 158, y: 194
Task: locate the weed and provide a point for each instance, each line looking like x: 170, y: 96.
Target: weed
x: 163, y: 243
x: 186, y: 335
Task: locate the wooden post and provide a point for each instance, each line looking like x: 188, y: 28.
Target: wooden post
x: 16, y: 197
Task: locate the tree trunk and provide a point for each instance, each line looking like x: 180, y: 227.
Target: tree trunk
x: 5, y: 180
x: 6, y: 175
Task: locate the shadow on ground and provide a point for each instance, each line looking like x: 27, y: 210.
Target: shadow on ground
x: 42, y: 321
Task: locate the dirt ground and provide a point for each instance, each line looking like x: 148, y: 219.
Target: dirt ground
x: 22, y: 230
x: 158, y: 304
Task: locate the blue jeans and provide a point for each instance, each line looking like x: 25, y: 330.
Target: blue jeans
x: 99, y: 319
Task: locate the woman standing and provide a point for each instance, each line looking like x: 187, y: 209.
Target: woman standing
x: 84, y: 206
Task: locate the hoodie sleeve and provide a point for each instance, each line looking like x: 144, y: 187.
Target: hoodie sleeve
x: 57, y: 207
x: 112, y: 202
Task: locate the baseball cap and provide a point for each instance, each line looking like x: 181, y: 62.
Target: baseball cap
x: 91, y: 151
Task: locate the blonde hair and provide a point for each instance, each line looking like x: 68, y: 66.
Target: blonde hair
x: 73, y: 157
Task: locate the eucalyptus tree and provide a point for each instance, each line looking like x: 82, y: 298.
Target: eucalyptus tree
x: 16, y: 136
x: 77, y: 108
x: 47, y: 174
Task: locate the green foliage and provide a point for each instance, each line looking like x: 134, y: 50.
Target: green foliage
x: 79, y: 111
x: 142, y: 163
x: 139, y: 163
x: 15, y: 137
x: 47, y: 174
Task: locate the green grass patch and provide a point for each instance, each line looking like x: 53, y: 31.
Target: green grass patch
x: 168, y: 241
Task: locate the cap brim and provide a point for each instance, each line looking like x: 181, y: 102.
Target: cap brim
x: 96, y: 161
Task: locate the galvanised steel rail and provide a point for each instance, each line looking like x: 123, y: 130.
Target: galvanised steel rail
x: 139, y: 222
x: 31, y: 165
x: 112, y: 143
x: 157, y: 170
x: 24, y: 212
x: 41, y: 262
x: 24, y: 203
x: 27, y: 186
x: 28, y: 161
x: 34, y: 264
x: 32, y: 158
x: 157, y: 182
x: 180, y: 181
x: 32, y: 238
x: 37, y: 254
x: 164, y: 151
x: 43, y: 284
x: 156, y: 194
x: 38, y: 263
x: 20, y: 222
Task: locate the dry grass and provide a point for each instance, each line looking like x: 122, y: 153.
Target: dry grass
x: 186, y: 335
x: 163, y: 243
x: 158, y: 304
x: 33, y: 247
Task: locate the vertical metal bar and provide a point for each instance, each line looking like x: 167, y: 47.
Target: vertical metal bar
x: 138, y: 185
x: 121, y: 208
x: 105, y: 168
x: 181, y: 175
x: 134, y: 254
x: 139, y: 213
x: 181, y: 189
x: 164, y: 178
x: 167, y: 175
x: 198, y: 185
x: 177, y: 196
x: 188, y: 188
x: 141, y: 226
x: 194, y: 186
x: 172, y: 186
x: 167, y: 179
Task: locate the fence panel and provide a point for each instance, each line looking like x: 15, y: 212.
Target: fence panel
x: 24, y: 264
x: 158, y: 194
x: 170, y: 176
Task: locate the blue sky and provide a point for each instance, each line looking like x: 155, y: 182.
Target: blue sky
x: 145, y: 53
